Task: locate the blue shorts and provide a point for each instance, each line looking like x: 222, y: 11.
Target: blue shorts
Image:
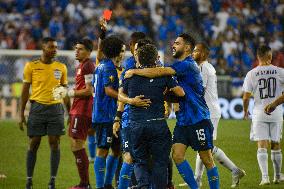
x: 104, y: 137
x: 125, y: 139
x: 199, y: 136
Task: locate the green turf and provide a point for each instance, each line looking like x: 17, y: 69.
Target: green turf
x: 233, y: 138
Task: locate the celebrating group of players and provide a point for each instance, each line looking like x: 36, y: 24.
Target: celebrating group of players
x: 129, y: 112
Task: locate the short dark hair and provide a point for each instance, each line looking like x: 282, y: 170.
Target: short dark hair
x: 88, y: 44
x: 145, y: 41
x: 205, y: 47
x: 47, y: 39
x: 188, y: 39
x: 263, y: 50
x: 135, y: 36
x: 111, y: 46
x: 147, y: 55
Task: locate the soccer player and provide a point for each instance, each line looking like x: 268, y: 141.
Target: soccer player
x: 194, y: 127
x: 149, y: 135
x: 81, y: 110
x: 200, y: 55
x: 265, y: 84
x: 46, y: 115
x: 105, y: 82
x: 126, y: 170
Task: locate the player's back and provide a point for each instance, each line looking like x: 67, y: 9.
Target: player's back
x: 152, y: 89
x: 104, y: 106
x: 265, y: 83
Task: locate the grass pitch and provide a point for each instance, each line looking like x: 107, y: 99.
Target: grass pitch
x: 233, y: 139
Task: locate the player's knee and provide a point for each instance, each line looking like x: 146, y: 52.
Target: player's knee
x: 178, y: 157
x: 127, y: 158
x: 101, y: 152
x: 275, y: 146
x: 54, y: 144
x: 34, y: 143
x: 77, y: 145
x: 263, y: 144
x: 207, y: 160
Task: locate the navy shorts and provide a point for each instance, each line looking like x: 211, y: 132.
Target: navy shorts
x: 104, y: 137
x: 199, y: 136
x: 125, y: 139
x: 46, y: 120
x: 150, y: 139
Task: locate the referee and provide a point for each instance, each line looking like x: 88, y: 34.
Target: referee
x: 46, y: 115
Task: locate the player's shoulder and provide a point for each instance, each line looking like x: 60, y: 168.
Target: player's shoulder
x: 206, y: 66
x: 34, y: 62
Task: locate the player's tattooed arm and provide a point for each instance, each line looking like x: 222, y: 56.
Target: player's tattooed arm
x: 150, y: 72
x: 271, y: 107
x: 246, y: 97
x: 139, y: 101
x: 24, y: 99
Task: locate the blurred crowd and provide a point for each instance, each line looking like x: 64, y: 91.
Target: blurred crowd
x: 232, y: 28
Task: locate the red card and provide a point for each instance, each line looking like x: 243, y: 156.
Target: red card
x: 107, y: 14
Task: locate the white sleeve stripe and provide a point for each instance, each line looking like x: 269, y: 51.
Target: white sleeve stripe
x: 88, y: 78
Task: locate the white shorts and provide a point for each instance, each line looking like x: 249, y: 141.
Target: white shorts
x: 215, y: 122
x: 271, y: 131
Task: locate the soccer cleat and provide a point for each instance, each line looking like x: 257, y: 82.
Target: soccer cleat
x: 236, y: 176
x: 264, y: 181
x: 278, y: 180
x: 51, y: 185
x: 29, y: 184
x: 108, y: 186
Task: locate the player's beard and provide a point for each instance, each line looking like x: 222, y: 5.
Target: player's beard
x: 178, y: 54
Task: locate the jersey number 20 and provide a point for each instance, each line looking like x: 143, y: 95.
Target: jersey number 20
x: 267, y: 87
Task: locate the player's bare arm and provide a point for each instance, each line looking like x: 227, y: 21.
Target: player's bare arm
x: 151, y: 72
x: 103, y: 28
x: 23, y: 102
x: 246, y: 98
x: 139, y: 101
x: 271, y: 107
x: 117, y: 119
x: 111, y: 92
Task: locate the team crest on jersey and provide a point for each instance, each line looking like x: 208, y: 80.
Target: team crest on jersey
x: 57, y: 74
x: 111, y: 78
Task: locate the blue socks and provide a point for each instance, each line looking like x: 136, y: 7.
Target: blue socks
x: 111, y: 165
x: 92, y: 146
x: 99, y: 167
x: 213, y: 178
x: 125, y: 175
x: 186, y: 172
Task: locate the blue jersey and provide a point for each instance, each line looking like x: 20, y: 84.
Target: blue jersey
x: 194, y: 108
x: 104, y: 107
x: 128, y: 64
x: 152, y: 89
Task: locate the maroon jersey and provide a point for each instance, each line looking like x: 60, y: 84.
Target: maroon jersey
x: 82, y: 105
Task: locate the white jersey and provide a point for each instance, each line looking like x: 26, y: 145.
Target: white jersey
x: 265, y: 83
x: 209, y: 78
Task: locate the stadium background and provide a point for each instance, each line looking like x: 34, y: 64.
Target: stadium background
x: 232, y: 28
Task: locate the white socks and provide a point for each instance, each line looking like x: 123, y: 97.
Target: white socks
x: 276, y: 158
x: 223, y: 159
x: 262, y: 158
x: 218, y: 155
x: 199, y: 167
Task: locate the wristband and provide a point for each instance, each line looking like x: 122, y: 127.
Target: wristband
x: 119, y: 114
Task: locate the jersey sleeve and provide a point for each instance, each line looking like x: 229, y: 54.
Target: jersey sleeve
x: 64, y: 80
x: 125, y: 86
x: 109, y: 76
x: 171, y: 82
x: 179, y: 68
x: 204, y: 75
x: 247, y: 86
x: 27, y: 75
x: 88, y: 68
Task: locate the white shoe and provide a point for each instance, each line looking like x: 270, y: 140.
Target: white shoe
x: 236, y: 176
x: 182, y: 184
x: 199, y: 182
x: 264, y: 181
x: 278, y: 180
x: 91, y: 160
